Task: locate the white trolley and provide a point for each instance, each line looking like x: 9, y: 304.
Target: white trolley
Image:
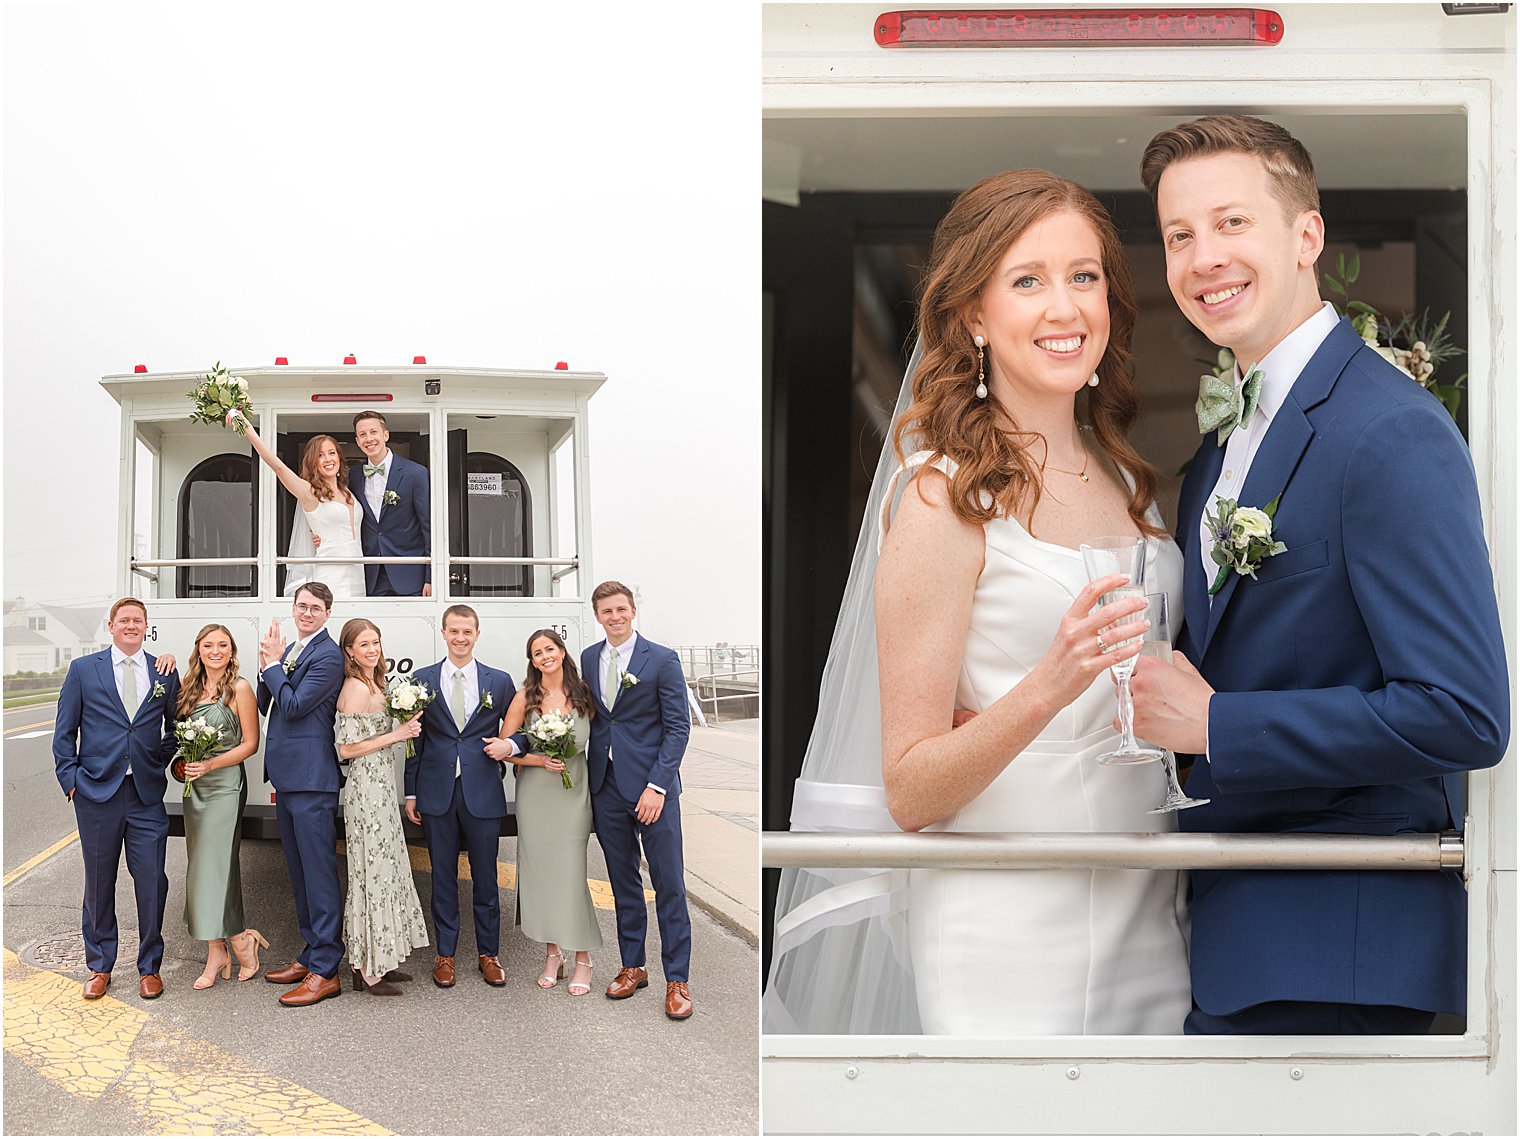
x: 205, y: 527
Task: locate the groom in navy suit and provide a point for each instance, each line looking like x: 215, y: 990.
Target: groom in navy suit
x: 458, y: 790
x: 1347, y: 686
x: 638, y: 737
x: 298, y: 688
x: 397, y: 514
x: 113, y: 736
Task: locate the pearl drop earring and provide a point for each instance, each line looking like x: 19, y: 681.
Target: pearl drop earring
x: 981, y: 372
x: 1093, y: 380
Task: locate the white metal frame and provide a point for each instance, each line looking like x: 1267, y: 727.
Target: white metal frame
x: 1191, y: 1084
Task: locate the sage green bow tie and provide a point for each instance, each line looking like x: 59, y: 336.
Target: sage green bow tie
x: 371, y: 469
x: 1223, y: 406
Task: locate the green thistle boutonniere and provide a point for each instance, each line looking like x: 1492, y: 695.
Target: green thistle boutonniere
x: 1242, y: 538
x: 390, y: 498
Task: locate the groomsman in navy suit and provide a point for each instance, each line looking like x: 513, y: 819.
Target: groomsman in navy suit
x: 1350, y: 683
x: 454, y: 790
x: 638, y: 737
x: 397, y: 514
x: 298, y: 688
x: 113, y: 736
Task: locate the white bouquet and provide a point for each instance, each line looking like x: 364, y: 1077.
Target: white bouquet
x: 196, y: 739
x: 218, y: 394
x: 553, y: 734
x: 405, y: 699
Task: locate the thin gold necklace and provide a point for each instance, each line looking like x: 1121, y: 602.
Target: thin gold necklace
x: 1082, y: 474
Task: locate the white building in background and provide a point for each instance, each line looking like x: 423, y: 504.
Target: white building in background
x: 41, y: 638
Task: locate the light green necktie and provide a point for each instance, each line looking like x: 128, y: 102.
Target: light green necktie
x: 456, y: 700
x: 611, y: 685
x: 129, y: 687
x: 290, y: 658
x: 1223, y: 406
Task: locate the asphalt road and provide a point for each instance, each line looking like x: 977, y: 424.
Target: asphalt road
x: 470, y: 1060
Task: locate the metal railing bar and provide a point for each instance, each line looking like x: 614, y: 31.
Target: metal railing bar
x: 573, y: 563
x: 1073, y: 850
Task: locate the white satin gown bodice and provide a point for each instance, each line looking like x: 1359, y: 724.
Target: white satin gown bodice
x: 337, y: 523
x: 1050, y: 952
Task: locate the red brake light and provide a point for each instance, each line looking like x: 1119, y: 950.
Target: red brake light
x: 343, y: 397
x: 281, y: 360
x: 139, y: 368
x: 1080, y: 27
x: 561, y: 366
x: 349, y: 360
x: 419, y: 359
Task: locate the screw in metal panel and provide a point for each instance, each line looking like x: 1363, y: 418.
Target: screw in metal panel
x: 1296, y: 1073
x: 1073, y: 1073
x: 851, y: 1072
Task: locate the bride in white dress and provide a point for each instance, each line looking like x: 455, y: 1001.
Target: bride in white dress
x: 992, y: 661
x: 331, y: 514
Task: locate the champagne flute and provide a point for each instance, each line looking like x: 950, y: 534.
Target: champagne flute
x: 1126, y: 555
x: 1157, y: 643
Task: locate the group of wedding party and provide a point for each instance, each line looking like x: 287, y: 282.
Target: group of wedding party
x: 1334, y: 665
x: 596, y: 744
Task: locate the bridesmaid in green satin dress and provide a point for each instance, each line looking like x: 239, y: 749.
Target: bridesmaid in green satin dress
x: 212, y: 691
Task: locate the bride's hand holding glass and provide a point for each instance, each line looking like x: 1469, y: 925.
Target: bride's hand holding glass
x: 1089, y: 641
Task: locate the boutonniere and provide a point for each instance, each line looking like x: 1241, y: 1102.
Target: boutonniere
x: 289, y: 665
x: 629, y: 680
x: 158, y: 689
x: 390, y: 498
x: 1242, y: 538
x: 486, y: 702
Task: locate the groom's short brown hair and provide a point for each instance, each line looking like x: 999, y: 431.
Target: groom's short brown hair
x: 1290, y: 170
x: 363, y: 415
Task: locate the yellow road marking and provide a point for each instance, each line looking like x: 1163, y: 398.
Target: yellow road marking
x: 172, y: 1081
x: 72, y: 836
x: 506, y: 876
x: 24, y: 727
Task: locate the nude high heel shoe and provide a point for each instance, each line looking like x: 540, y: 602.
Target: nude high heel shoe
x: 208, y: 978
x: 246, y: 945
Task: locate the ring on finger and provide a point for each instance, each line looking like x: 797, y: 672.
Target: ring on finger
x: 1102, y: 648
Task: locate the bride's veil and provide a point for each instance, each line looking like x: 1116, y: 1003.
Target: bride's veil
x: 839, y: 960
x: 298, y: 574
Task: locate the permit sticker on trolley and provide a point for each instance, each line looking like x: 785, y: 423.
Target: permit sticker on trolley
x: 484, y: 483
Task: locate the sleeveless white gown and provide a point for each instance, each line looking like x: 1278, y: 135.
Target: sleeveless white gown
x: 337, y: 523
x: 1049, y: 952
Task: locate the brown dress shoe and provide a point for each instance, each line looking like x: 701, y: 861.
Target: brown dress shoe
x: 96, y: 986
x: 443, y: 972
x: 628, y: 981
x: 151, y: 987
x: 312, y: 989
x: 491, y: 970
x: 677, y: 1000
x: 289, y: 975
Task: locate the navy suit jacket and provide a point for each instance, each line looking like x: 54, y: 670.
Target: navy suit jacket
x: 93, y: 741
x: 404, y: 528
x: 430, y: 772
x: 648, y: 728
x: 1356, y: 678
x: 300, y: 749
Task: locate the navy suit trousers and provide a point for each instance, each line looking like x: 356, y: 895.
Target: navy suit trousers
x: 309, y: 836
x: 123, y: 821
x: 620, y: 833
x: 447, y: 835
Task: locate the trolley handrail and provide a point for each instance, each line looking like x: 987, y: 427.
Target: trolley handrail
x: 1085, y: 850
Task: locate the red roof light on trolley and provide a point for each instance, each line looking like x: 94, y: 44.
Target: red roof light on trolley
x: 350, y: 360
x: 282, y: 360
x: 1080, y: 27
x: 347, y: 397
x: 561, y: 366
x: 419, y: 359
x: 139, y: 368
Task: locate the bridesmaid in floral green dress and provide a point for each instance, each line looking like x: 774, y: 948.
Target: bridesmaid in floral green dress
x: 382, y: 919
x: 212, y: 691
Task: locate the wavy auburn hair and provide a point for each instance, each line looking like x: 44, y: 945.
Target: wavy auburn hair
x: 351, y: 667
x: 995, y: 474
x: 310, y: 473
x: 195, y: 674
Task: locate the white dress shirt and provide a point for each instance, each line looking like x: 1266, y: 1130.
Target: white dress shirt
x: 144, y: 687
x: 471, y: 693
x: 1280, y: 371
x: 1281, y: 368
x: 374, y: 485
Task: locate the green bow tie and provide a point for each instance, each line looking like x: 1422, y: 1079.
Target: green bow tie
x: 1223, y: 406
x: 371, y: 469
